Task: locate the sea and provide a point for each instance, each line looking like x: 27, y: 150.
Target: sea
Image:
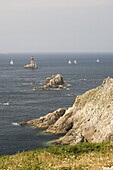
x: 19, y: 102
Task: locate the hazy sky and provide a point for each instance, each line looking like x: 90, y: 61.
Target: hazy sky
x: 56, y: 25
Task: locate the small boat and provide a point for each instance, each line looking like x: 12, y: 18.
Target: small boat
x: 32, y: 65
x: 75, y: 62
x: 98, y: 61
x: 11, y: 62
x: 69, y: 62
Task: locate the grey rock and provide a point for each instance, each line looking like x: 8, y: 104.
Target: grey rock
x: 56, y: 81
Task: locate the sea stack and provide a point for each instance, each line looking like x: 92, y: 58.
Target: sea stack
x: 56, y: 81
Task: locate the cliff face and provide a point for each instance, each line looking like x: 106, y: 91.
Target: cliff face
x: 89, y: 119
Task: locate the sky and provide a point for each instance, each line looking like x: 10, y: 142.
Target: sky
x: 56, y: 26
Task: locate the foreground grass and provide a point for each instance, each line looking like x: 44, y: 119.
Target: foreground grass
x: 84, y: 156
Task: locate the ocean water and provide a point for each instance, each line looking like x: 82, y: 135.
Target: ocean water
x: 18, y: 102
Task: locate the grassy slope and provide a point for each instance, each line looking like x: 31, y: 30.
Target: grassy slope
x: 83, y: 156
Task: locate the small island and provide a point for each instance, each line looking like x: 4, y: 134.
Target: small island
x: 32, y: 65
x: 53, y: 82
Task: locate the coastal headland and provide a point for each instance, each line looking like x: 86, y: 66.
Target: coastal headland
x: 90, y: 119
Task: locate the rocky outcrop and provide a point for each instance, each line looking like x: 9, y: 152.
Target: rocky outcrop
x: 46, y: 121
x: 56, y: 81
x: 89, y: 119
x: 32, y: 65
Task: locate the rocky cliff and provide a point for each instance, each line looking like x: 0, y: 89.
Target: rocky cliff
x: 89, y: 119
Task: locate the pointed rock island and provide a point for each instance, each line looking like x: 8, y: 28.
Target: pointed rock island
x: 54, y: 82
x: 90, y: 119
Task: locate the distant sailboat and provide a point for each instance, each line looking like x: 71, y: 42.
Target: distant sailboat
x: 75, y: 62
x: 98, y: 61
x: 69, y: 62
x: 32, y: 65
x: 11, y: 62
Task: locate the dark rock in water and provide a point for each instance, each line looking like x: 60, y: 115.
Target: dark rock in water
x: 23, y: 123
x: 56, y: 81
x: 90, y: 119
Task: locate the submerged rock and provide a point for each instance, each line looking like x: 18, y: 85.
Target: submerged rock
x: 90, y: 119
x: 56, y: 81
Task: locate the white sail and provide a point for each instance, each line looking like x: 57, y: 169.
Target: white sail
x: 11, y: 62
x: 98, y: 61
x: 75, y: 62
x: 69, y: 62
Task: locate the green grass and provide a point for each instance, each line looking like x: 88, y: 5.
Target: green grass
x: 80, y: 148
x: 82, y: 156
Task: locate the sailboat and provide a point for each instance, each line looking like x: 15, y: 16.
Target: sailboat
x: 75, y: 62
x: 32, y: 65
x: 11, y: 62
x: 69, y: 62
x: 98, y: 61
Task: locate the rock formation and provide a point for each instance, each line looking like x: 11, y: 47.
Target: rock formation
x: 32, y: 65
x: 89, y: 119
x: 46, y: 121
x: 56, y: 81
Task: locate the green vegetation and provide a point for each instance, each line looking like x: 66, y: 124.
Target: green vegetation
x: 82, y: 156
x: 80, y: 148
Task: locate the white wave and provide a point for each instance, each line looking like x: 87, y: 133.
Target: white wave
x: 69, y: 85
x: 55, y: 89
x: 15, y: 124
x: 26, y: 84
x: 82, y: 79
x: 5, y: 104
x: 70, y: 94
